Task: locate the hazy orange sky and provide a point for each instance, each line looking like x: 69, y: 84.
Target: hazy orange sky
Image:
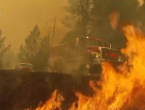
x: 18, y: 17
x: 141, y: 1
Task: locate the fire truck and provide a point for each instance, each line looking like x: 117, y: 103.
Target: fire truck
x: 85, y: 55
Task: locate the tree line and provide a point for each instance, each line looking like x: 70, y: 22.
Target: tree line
x: 35, y: 50
x: 103, y: 19
x: 96, y: 18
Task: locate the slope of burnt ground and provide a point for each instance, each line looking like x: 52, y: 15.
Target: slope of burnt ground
x: 21, y: 90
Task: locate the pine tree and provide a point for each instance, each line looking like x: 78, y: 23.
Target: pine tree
x: 3, y: 49
x: 35, y: 50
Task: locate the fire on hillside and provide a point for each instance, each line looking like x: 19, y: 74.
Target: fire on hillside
x: 120, y: 91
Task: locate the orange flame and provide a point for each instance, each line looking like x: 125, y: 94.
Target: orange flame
x: 53, y: 103
x: 114, y: 19
x: 120, y: 91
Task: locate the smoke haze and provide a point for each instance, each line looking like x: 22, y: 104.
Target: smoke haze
x: 18, y: 17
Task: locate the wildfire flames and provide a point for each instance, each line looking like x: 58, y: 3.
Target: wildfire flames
x: 123, y: 90
x: 53, y: 103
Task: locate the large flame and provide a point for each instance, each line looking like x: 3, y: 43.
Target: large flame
x: 120, y: 91
x: 54, y: 103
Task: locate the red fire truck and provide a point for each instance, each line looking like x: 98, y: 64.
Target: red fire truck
x: 85, y: 55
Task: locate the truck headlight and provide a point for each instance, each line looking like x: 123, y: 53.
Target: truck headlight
x: 119, y: 59
x: 96, y: 55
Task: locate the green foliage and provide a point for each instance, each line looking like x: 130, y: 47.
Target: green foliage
x: 22, y: 54
x: 3, y: 49
x: 43, y: 54
x: 80, y: 12
x: 33, y: 42
x: 35, y: 50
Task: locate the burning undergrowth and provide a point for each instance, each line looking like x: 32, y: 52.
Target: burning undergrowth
x: 122, y: 90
